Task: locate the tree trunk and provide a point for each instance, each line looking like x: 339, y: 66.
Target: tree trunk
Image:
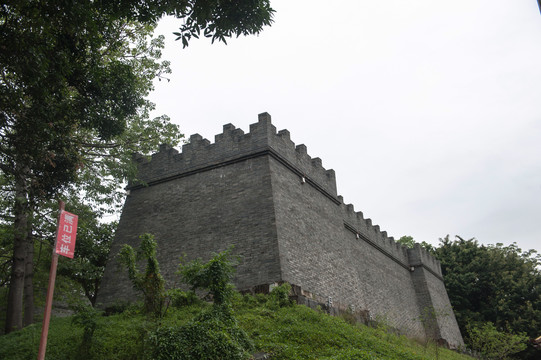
x: 28, y: 281
x: 14, y: 316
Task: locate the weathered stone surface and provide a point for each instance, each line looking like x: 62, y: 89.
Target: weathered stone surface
x: 279, y: 208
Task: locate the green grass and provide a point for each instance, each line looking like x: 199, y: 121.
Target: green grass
x: 298, y: 332
x: 291, y: 332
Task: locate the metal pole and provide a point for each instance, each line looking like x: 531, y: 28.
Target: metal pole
x: 50, y: 291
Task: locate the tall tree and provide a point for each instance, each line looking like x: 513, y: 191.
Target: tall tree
x: 495, y: 283
x: 409, y: 242
x: 71, y: 81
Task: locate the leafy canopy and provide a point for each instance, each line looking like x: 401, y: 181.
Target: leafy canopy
x: 74, y: 77
x: 494, y: 283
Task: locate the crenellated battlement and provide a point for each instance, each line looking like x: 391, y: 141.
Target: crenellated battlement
x: 366, y: 231
x: 234, y: 145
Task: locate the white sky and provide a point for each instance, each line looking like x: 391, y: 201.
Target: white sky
x: 428, y: 111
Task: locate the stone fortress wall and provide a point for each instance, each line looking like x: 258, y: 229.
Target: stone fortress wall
x: 280, y: 209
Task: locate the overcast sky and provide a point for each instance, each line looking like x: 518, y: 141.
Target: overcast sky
x: 428, y: 111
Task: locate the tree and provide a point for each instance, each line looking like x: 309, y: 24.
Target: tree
x: 44, y: 149
x: 71, y: 81
x: 494, y: 344
x: 88, y: 90
x: 409, y: 242
x: 92, y: 251
x: 495, y: 283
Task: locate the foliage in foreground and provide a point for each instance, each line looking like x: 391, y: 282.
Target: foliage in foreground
x: 73, y: 108
x: 213, y: 334
x: 233, y: 327
x: 494, y: 344
x: 215, y: 275
x: 287, y: 332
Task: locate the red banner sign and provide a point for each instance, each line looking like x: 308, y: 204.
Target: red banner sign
x: 67, y: 229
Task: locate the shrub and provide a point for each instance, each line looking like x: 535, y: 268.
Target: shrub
x: 213, y: 334
x: 86, y: 317
x: 151, y: 283
x: 117, y: 307
x: 279, y: 296
x: 215, y: 275
x: 494, y: 344
x: 179, y: 298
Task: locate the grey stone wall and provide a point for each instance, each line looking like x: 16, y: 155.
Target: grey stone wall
x: 319, y: 254
x: 197, y: 215
x: 436, y: 310
x: 279, y: 208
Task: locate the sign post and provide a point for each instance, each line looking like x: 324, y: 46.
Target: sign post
x: 64, y: 245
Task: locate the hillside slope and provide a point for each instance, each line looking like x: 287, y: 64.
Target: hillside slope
x: 288, y: 332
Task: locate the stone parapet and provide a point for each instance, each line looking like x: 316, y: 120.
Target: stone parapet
x: 199, y: 154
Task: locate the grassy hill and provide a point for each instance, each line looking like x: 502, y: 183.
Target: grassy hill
x: 287, y: 332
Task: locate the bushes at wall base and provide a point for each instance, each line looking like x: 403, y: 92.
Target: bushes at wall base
x: 213, y: 334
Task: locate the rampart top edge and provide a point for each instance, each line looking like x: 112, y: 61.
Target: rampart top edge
x: 234, y: 143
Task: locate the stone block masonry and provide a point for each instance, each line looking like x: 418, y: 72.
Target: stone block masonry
x: 280, y: 209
